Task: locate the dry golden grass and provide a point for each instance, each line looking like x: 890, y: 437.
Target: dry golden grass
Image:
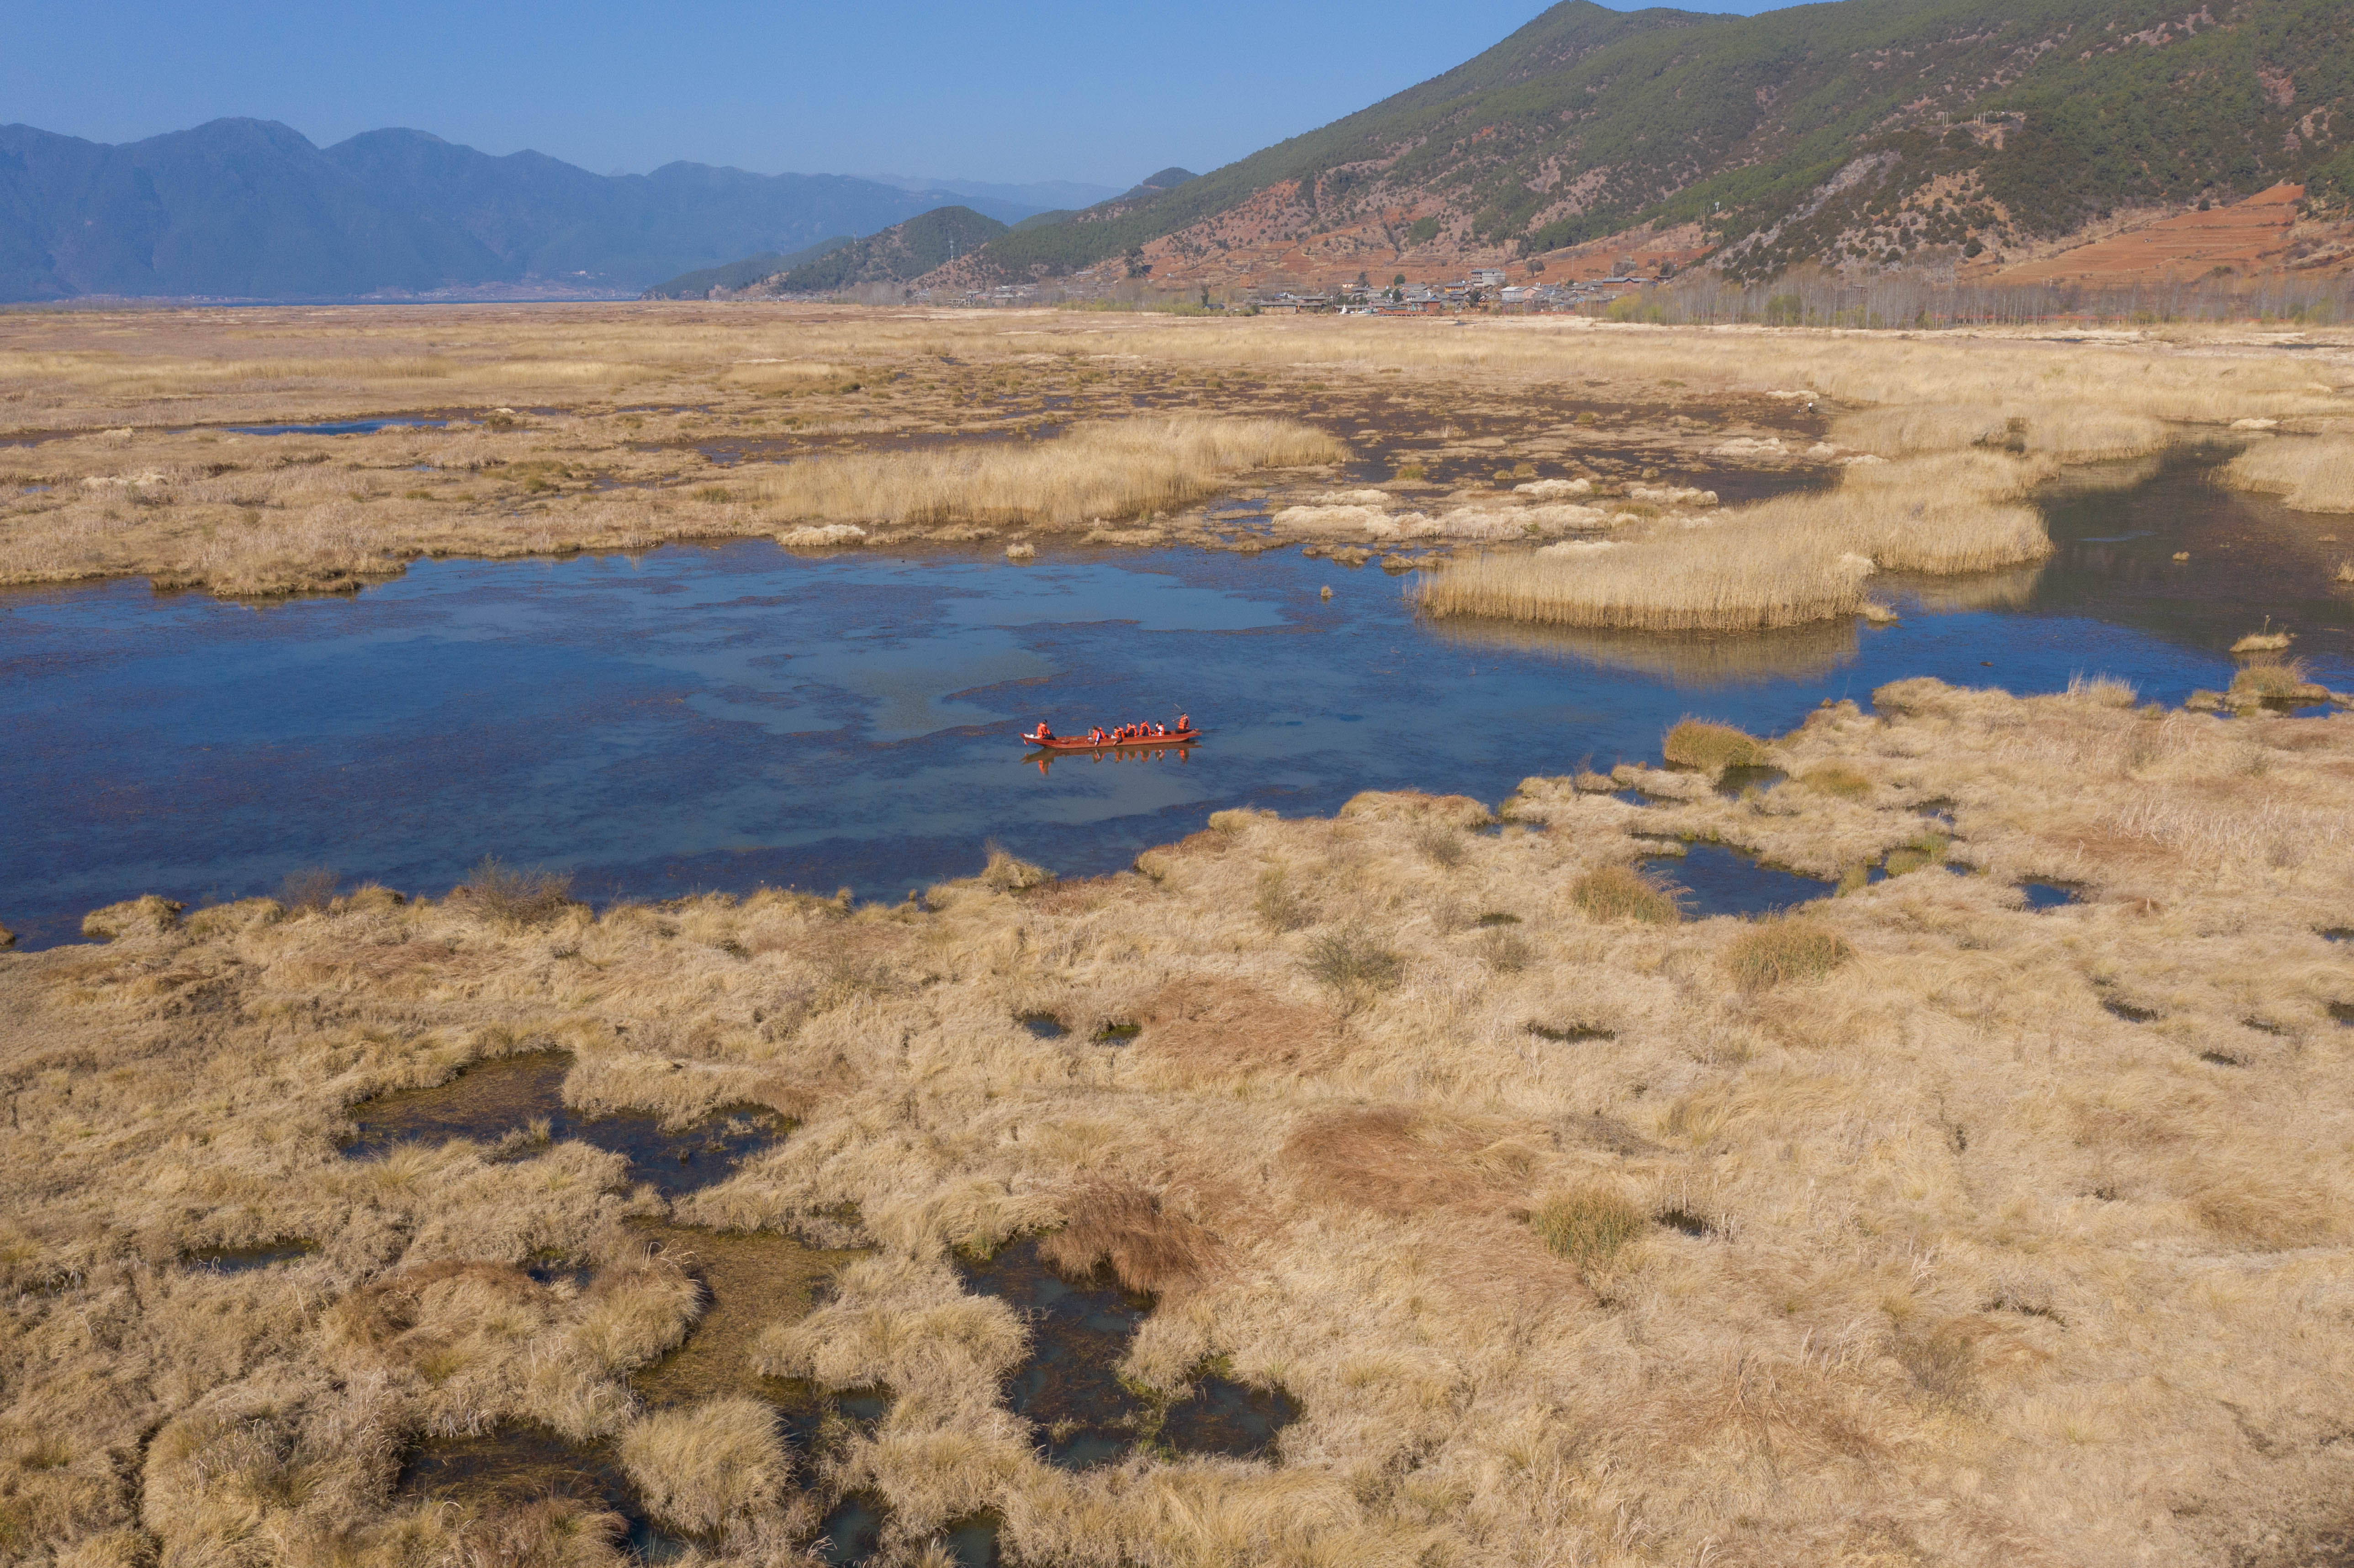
x: 1837, y: 779
x: 1912, y: 1229
x: 1774, y: 952
x: 2312, y: 473
x: 1711, y: 748
x: 1098, y: 472
x: 1621, y: 892
x: 621, y: 427
x: 1778, y: 564
x: 1591, y: 1228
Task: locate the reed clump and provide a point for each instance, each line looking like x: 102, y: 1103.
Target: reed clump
x: 1780, y: 563
x: 1840, y: 778
x: 2311, y: 474
x: 1621, y: 892
x: 1105, y: 469
x: 1592, y: 1227
x: 1711, y: 748
x: 1790, y: 948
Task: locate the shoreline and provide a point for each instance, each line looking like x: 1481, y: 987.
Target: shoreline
x: 1915, y: 1147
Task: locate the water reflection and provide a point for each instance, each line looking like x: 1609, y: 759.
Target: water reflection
x: 1715, y: 879
x: 1697, y: 659
x: 720, y: 718
x: 516, y: 1466
x: 517, y: 1103
x: 245, y: 1259
x: 1070, y: 1389
x: 1046, y: 759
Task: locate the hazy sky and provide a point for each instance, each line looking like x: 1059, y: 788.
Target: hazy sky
x: 1078, y: 90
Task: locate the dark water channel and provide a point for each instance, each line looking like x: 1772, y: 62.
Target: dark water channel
x: 747, y: 1279
x: 517, y: 1102
x: 517, y: 1466
x: 1070, y: 1389
x: 1713, y: 879
x: 723, y: 718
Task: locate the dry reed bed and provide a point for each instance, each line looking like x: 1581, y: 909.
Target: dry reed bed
x: 2309, y: 474
x: 1781, y: 563
x: 1096, y: 472
x: 1876, y: 1236
x: 613, y: 403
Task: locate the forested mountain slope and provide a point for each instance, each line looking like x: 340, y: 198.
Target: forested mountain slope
x: 1788, y: 136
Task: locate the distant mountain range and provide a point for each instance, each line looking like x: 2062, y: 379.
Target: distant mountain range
x: 900, y: 253
x: 250, y: 209
x: 1043, y: 195
x: 1858, y: 133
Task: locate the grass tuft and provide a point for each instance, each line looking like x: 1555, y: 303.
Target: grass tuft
x: 1006, y: 873
x: 2276, y: 680
x: 1842, y: 780
x: 1348, y: 958
x: 1712, y: 747
x: 1791, y: 948
x: 1612, y: 893
x: 1439, y: 844
x: 1592, y: 1227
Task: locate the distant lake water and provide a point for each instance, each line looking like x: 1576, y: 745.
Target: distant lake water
x: 728, y: 716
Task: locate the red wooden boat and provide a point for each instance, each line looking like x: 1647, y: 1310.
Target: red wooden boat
x: 1137, y: 743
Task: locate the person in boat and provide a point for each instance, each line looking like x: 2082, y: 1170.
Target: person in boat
x: 1043, y: 734
x: 1184, y: 724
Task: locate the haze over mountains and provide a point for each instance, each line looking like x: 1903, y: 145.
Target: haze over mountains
x: 251, y: 209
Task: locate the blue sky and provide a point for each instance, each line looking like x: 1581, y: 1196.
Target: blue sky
x: 1080, y: 89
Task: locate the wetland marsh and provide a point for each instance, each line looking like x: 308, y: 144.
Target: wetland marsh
x: 1414, y: 1128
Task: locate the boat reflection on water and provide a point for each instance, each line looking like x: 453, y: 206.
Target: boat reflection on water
x: 1129, y: 753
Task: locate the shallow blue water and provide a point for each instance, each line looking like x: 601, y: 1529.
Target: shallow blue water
x: 728, y: 716
x: 338, y: 428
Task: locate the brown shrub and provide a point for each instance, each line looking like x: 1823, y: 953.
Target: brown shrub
x: 1788, y: 949
x: 1215, y: 1026
x: 1711, y: 748
x: 1351, y: 958
x: 1622, y: 892
x: 510, y: 896
x: 1279, y: 908
x: 311, y: 889
x: 1128, y: 1227
x: 1385, y: 1158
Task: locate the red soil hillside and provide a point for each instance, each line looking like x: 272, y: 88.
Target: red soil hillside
x: 2263, y: 234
